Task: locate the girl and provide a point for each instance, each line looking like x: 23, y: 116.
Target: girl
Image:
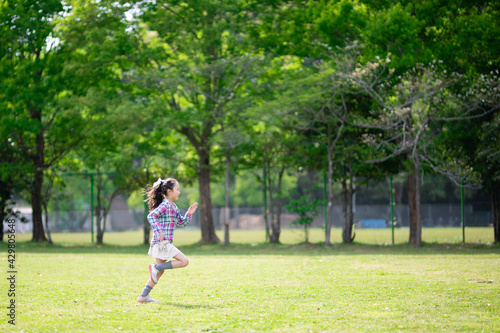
x: 164, y: 216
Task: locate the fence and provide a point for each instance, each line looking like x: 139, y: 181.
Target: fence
x: 121, y: 219
x: 71, y: 206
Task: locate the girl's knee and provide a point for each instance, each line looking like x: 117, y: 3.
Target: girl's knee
x: 185, y: 262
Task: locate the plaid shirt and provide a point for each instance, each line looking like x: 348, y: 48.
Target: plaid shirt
x: 165, y: 218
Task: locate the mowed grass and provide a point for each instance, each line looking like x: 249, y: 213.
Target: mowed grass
x: 252, y: 286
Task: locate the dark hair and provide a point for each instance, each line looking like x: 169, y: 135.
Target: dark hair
x: 155, y: 194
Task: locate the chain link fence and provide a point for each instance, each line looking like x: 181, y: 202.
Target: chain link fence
x: 70, y: 211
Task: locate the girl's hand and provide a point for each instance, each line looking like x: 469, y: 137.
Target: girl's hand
x: 161, y: 236
x: 193, y: 208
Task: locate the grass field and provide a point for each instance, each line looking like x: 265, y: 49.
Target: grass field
x: 252, y: 286
x: 289, y: 236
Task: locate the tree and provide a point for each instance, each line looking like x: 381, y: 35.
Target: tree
x: 355, y: 171
x: 6, y: 203
x: 34, y: 85
x: 310, y: 29
x: 50, y: 59
x: 12, y: 173
x: 230, y: 141
x: 412, y: 112
x: 97, y: 153
x: 469, y: 150
x: 47, y: 194
x: 463, y: 36
x: 319, y: 102
x: 274, y: 154
x: 103, y: 152
x: 201, y: 65
x: 488, y: 159
x: 307, y: 209
x: 145, y: 154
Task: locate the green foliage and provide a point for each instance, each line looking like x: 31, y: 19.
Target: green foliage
x: 488, y: 156
x: 307, y: 210
x: 167, y: 91
x: 396, y: 30
x: 32, y: 85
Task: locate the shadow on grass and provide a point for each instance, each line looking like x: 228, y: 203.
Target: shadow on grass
x: 235, y: 249
x: 186, y: 306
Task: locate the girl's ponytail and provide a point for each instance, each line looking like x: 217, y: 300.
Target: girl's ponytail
x: 156, y: 192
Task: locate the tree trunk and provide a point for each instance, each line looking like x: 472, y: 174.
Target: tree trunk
x: 226, y: 197
x: 49, y: 238
x: 147, y: 230
x: 414, y: 204
x: 36, y: 205
x: 347, y: 203
x: 100, y: 237
x: 201, y: 144
x: 264, y: 200
x: 329, y: 208
x: 99, y: 211
x: 206, y: 223
x: 104, y: 219
x: 102, y: 209
x: 101, y: 224
x: 350, y: 222
x: 412, y: 207
x: 275, y: 229
x: 274, y: 237
x: 418, y: 210
x: 98, y: 216
x: 277, y: 225
x: 36, y: 190
x: 345, y: 235
x: 272, y: 222
x: 495, y: 205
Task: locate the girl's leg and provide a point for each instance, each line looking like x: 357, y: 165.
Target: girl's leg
x: 161, y: 265
x: 180, y: 261
x: 158, y: 262
x: 144, y: 296
x: 160, y: 273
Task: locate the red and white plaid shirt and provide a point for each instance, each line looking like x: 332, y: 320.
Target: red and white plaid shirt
x: 165, y: 218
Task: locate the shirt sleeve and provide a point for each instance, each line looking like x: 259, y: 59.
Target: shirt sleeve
x: 183, y: 220
x: 153, y: 217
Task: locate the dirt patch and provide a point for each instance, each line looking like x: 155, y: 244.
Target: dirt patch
x: 250, y: 221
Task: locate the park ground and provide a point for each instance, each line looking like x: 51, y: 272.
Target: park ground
x: 253, y: 286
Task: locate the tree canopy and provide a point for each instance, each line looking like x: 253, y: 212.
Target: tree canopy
x: 202, y: 90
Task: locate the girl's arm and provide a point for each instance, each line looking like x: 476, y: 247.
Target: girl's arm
x: 186, y: 219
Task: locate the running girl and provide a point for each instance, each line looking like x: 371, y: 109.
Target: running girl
x: 164, y: 216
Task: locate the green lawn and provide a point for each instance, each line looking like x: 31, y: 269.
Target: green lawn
x: 252, y: 286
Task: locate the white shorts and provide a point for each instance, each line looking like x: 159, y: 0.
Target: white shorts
x: 163, y: 250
